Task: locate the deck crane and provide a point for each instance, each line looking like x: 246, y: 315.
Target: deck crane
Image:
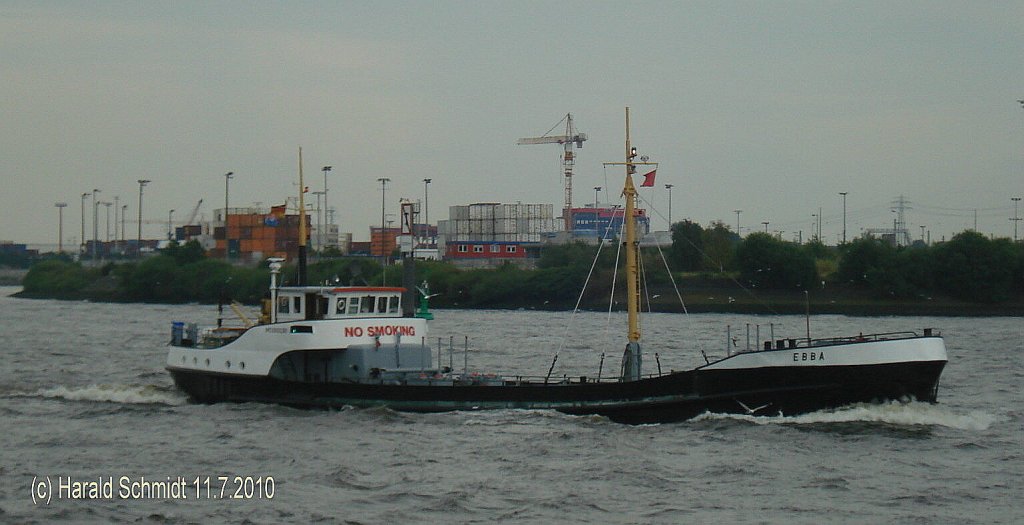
x: 568, y: 140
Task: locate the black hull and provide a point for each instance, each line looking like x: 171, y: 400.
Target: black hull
x: 672, y: 397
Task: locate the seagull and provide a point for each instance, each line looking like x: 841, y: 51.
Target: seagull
x: 750, y: 411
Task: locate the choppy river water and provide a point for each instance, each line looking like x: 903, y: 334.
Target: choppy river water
x: 84, y: 396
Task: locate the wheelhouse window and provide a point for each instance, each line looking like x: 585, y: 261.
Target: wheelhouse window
x: 463, y: 248
x: 367, y: 305
x: 478, y: 249
x: 283, y: 304
x: 510, y: 249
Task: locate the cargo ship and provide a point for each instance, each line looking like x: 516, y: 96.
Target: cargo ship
x: 368, y: 346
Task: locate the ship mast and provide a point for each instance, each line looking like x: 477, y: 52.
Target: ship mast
x: 632, y: 262
x: 632, y: 360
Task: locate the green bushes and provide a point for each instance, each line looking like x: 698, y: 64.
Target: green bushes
x: 767, y: 262
x: 975, y: 268
x: 58, y: 278
x: 970, y: 267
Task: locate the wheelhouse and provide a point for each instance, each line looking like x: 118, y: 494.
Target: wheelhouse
x: 296, y: 303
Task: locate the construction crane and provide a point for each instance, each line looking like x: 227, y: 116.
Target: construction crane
x: 195, y: 211
x: 187, y: 222
x: 570, y: 138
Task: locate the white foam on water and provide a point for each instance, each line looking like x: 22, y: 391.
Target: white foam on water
x: 895, y: 413
x: 126, y: 394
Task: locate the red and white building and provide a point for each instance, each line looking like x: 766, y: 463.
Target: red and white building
x: 489, y: 234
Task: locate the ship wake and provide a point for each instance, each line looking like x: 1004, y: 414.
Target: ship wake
x: 896, y: 413
x: 131, y: 394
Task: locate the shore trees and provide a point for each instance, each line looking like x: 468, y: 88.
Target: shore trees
x: 970, y: 267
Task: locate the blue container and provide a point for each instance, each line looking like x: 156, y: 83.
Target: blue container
x: 177, y: 332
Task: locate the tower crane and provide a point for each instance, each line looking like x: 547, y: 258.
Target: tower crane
x: 568, y: 140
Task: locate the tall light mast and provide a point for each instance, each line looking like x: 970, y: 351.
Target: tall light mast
x: 568, y: 140
x: 302, y: 225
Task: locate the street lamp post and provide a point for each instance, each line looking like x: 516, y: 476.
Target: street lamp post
x: 819, y: 225
x: 95, y: 225
x: 60, y: 225
x: 426, y: 207
x: 765, y: 226
x: 138, y: 240
x: 844, y: 193
x: 170, y: 225
x: 124, y: 210
x: 227, y: 243
x: 108, y: 204
x: 81, y: 249
x: 669, y: 188
x: 737, y: 212
x: 327, y: 219
x: 383, y: 192
x: 319, y: 245
x: 117, y: 209
x: 596, y: 190
x: 1016, y: 219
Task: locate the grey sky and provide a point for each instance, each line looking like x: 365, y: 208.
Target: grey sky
x: 768, y: 107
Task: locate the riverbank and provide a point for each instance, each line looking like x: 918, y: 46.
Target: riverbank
x: 723, y: 300
x: 173, y: 279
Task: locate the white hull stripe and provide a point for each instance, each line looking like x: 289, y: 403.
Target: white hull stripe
x: 854, y: 354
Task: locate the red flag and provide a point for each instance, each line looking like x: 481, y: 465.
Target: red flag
x: 305, y: 190
x: 649, y: 178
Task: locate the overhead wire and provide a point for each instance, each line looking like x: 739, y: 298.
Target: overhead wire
x: 718, y: 263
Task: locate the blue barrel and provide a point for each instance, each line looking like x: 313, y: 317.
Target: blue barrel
x: 177, y: 332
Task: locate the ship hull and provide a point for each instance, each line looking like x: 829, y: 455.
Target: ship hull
x: 758, y: 389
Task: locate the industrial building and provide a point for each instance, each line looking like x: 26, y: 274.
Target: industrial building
x: 489, y: 234
x: 605, y: 223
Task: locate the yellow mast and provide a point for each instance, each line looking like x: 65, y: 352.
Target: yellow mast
x: 631, y: 358
x: 632, y: 262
